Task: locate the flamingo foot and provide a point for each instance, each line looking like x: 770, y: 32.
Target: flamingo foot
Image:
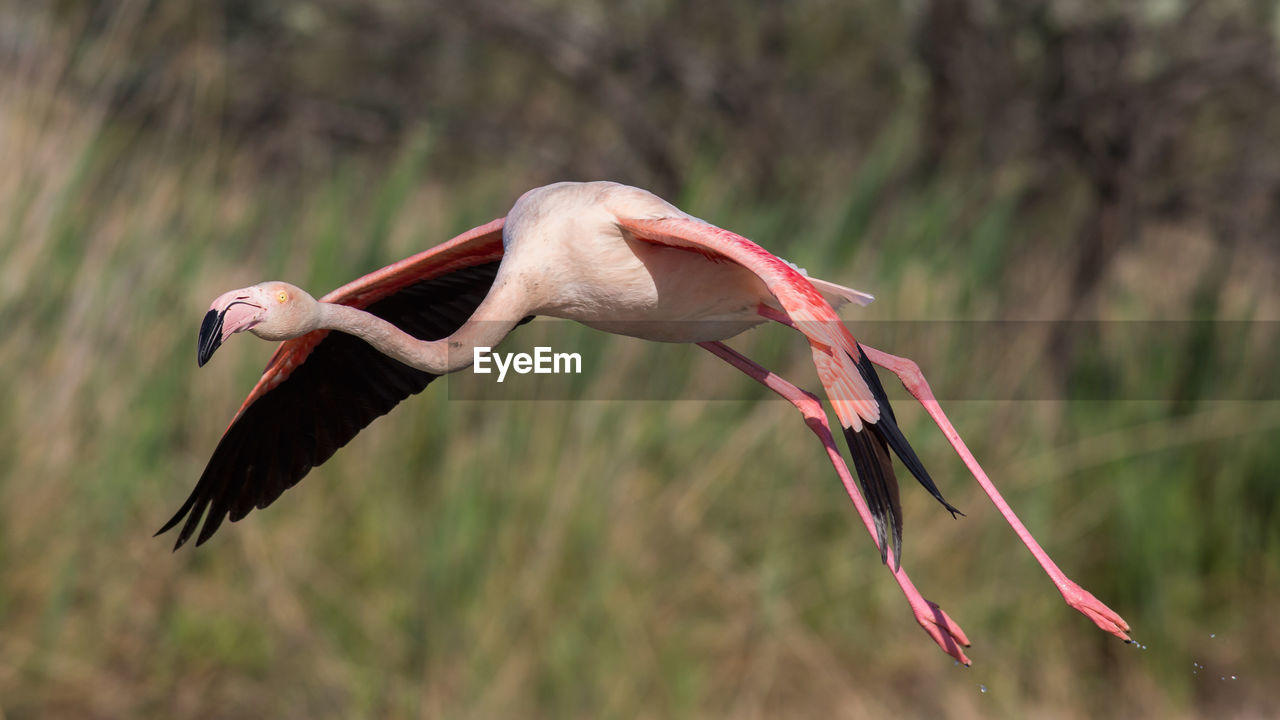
x: 1102, y: 616
x: 942, y: 629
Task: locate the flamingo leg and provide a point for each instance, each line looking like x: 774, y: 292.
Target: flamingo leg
x: 932, y: 618
x: 909, y: 373
x: 1076, y: 596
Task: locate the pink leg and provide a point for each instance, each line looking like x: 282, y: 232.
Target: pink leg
x: 940, y: 627
x: 1076, y: 596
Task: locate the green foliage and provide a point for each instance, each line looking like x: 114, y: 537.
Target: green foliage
x: 600, y: 554
x: 598, y: 557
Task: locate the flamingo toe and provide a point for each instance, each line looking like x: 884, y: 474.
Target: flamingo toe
x: 1094, y: 609
x: 944, y: 631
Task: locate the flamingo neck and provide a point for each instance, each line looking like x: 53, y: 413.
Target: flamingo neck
x: 438, y: 357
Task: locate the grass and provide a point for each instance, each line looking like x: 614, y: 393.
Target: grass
x: 592, y: 556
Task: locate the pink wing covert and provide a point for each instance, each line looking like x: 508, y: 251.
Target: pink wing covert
x: 850, y: 381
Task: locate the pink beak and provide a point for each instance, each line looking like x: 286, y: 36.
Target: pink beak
x: 231, y: 313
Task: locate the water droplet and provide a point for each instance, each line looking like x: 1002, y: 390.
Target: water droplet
x: 1233, y: 677
x: 983, y: 688
x: 1213, y: 635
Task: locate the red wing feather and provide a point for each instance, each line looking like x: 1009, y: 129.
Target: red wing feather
x: 853, y: 400
x: 851, y: 384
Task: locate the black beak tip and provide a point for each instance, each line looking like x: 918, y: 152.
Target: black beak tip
x: 210, y: 337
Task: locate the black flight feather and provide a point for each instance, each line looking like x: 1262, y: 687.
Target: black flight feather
x: 887, y: 428
x: 870, y: 450
x: 879, y: 486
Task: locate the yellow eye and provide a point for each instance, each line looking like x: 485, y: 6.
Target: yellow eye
x: 282, y: 296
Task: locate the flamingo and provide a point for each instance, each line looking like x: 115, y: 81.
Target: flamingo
x: 612, y: 257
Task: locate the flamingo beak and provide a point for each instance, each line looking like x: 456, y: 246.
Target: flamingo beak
x: 231, y: 313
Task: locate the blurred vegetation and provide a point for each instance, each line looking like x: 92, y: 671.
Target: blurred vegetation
x: 961, y: 159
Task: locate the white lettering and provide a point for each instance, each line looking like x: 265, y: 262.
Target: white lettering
x: 543, y: 361
x: 541, y: 358
x: 478, y: 357
x: 572, y: 363
x: 503, y: 366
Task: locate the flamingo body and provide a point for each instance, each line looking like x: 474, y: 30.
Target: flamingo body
x: 565, y: 243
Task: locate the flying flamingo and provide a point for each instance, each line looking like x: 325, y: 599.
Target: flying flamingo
x: 609, y: 256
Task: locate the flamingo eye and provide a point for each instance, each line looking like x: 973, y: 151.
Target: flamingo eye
x: 282, y: 296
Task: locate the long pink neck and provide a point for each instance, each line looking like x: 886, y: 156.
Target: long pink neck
x: 486, y: 328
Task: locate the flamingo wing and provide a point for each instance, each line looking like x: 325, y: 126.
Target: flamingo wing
x: 850, y: 381
x: 319, y: 390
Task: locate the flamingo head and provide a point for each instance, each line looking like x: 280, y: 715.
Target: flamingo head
x: 271, y: 310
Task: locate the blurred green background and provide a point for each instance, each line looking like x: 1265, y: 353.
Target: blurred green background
x: 990, y: 160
